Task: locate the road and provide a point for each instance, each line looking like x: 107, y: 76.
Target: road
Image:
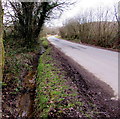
x: 103, y: 64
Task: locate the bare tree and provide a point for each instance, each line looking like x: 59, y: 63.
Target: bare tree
x: 117, y: 15
x: 96, y: 27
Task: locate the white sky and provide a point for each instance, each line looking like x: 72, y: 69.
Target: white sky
x: 83, y: 5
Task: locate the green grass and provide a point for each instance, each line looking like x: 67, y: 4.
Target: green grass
x: 52, y: 91
x: 51, y: 88
x: 44, y: 42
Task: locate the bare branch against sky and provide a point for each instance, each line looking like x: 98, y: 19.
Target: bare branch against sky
x: 119, y: 10
x: 31, y: 0
x: 83, y: 6
x: 80, y: 7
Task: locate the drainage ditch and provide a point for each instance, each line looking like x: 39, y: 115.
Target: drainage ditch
x: 25, y: 100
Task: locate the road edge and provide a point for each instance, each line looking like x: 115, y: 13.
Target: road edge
x: 90, y: 79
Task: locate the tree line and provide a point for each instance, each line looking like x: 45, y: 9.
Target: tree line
x: 97, y: 28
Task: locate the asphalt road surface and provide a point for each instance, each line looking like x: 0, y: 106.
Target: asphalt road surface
x: 103, y: 64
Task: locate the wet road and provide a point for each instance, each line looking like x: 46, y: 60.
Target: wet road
x: 103, y: 64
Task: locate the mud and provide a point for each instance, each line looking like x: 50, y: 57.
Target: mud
x: 25, y: 100
x: 18, y: 100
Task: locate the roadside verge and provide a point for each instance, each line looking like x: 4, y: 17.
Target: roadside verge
x: 94, y: 89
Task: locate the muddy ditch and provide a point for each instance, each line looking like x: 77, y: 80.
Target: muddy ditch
x: 25, y: 100
x: 18, y: 99
x: 19, y: 104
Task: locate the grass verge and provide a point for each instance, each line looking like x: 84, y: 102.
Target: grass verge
x: 52, y: 91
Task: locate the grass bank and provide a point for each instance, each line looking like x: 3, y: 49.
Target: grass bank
x: 62, y: 93
x: 54, y: 96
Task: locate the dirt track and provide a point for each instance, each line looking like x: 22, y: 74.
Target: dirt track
x: 90, y: 90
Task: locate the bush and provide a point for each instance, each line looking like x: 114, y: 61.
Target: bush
x: 44, y: 42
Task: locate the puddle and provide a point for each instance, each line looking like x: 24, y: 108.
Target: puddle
x: 25, y: 100
x: 25, y: 106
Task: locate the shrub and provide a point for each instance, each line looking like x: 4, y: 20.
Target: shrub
x: 44, y: 42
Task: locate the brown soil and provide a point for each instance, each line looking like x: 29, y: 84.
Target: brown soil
x: 90, y: 92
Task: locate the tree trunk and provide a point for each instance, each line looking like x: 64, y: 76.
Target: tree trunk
x: 1, y: 43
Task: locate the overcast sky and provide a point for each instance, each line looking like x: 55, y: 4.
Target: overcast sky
x: 81, y: 6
